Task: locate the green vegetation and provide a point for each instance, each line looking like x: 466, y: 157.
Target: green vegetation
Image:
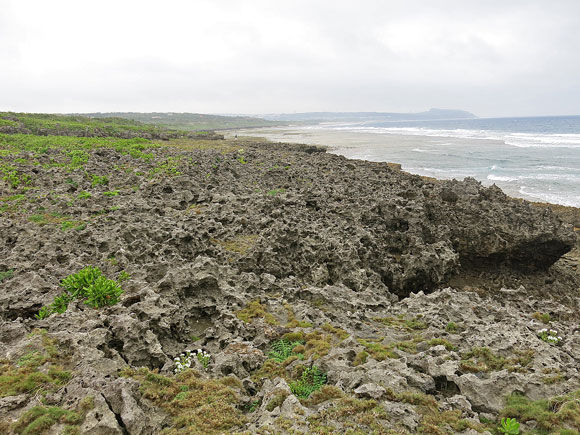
x: 78, y: 158
x: 339, y: 332
x: 103, y: 292
x: 556, y: 415
x: 192, y: 121
x: 451, y: 327
x: 41, y: 418
x: 14, y: 177
x: 65, y: 222
x: 509, y: 426
x: 311, y: 380
x: 82, y: 126
x: 99, y: 180
x: 542, y: 317
x: 111, y: 193
x: 441, y: 341
x: 276, y: 400
x: 72, y: 149
x: 360, y: 415
x: 124, y: 276
x: 38, y: 371
x: 275, y: 192
x: 293, y: 322
x: 255, y: 310
x: 482, y: 359
x: 360, y: 358
x: 76, y: 283
x: 6, y: 275
x: 196, y: 405
x: 284, y: 349
x: 169, y: 167
x: 88, y: 284
x: 76, y: 225
x: 379, y: 351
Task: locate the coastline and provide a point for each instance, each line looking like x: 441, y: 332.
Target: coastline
x: 342, y: 141
x: 431, y: 156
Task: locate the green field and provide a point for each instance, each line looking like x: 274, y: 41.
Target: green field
x: 191, y: 121
x: 82, y: 126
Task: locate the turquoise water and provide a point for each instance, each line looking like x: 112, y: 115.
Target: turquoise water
x: 535, y: 158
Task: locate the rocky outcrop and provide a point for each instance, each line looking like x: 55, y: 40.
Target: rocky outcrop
x: 227, y: 252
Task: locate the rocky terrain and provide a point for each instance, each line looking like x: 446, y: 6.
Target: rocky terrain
x: 329, y: 295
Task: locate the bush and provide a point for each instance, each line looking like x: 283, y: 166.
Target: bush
x: 103, y: 292
x: 284, y: 349
x: 312, y: 379
x: 88, y: 284
x: 76, y: 283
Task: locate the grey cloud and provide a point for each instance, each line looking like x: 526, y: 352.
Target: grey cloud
x: 492, y: 58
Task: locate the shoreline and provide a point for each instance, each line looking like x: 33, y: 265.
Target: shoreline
x: 443, y: 158
x: 569, y: 214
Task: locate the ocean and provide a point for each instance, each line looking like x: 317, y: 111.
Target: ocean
x: 533, y: 158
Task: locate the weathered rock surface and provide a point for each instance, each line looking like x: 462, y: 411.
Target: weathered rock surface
x: 322, y: 242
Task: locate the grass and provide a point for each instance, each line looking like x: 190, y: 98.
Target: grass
x: 40, y: 419
x: 441, y: 341
x: 276, y: 400
x: 168, y: 167
x: 58, y: 219
x: 452, y: 328
x: 275, y: 192
x: 292, y: 321
x: 542, y: 317
x: 6, y: 275
x: 38, y: 371
x: 99, y: 180
x: 255, y: 310
x: 358, y: 416
x: 482, y: 359
x: 196, y: 405
x: 82, y: 126
x: 379, y: 351
x: 194, y: 121
x: 317, y: 345
x: 339, y: 332
x: 73, y: 150
x: 556, y: 415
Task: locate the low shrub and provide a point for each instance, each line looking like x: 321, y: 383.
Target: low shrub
x: 312, y: 379
x: 89, y: 285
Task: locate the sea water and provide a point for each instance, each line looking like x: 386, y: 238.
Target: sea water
x: 534, y: 158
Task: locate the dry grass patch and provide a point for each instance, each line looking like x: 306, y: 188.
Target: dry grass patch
x: 196, y: 405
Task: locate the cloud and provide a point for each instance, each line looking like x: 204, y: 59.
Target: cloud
x: 493, y: 58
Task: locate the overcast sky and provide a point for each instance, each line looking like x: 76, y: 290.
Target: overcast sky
x: 493, y: 58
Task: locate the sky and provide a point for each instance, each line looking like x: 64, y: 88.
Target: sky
x: 493, y: 58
